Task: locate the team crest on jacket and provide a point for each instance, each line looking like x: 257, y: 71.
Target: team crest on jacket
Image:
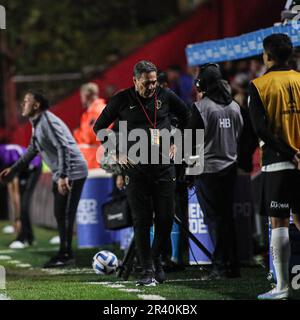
x: 159, y: 104
x: 126, y: 180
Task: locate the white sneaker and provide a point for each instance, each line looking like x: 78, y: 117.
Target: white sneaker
x: 18, y: 245
x: 8, y: 230
x: 54, y: 240
x: 275, y: 294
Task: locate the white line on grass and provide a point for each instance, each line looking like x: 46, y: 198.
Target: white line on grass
x: 115, y: 286
x: 132, y: 282
x: 7, y: 251
x: 4, y: 297
x: 120, y: 287
x: 23, y: 265
x: 151, y: 297
x: 69, y: 271
x: 131, y: 290
x: 3, y: 257
x: 14, y: 262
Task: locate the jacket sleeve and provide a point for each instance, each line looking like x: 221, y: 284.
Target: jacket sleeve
x: 25, y: 159
x: 260, y: 124
x: 56, y: 135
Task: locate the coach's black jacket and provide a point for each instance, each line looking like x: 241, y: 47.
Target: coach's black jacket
x: 124, y: 106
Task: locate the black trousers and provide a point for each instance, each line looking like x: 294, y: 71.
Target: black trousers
x: 65, y: 208
x: 28, y: 180
x: 215, y: 193
x: 150, y: 192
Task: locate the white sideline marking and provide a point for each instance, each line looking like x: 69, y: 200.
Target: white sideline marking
x: 150, y: 297
x: 14, y: 262
x: 69, y: 271
x: 116, y: 286
x: 24, y: 265
x: 103, y: 283
x: 4, y: 297
x: 7, y: 251
x: 5, y: 257
x: 131, y: 290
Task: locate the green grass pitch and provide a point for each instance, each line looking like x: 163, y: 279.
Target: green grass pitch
x: 26, y: 280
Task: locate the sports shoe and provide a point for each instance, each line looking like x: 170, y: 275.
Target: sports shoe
x: 275, y: 294
x: 159, y: 273
x: 147, y: 280
x: 59, y: 261
x: 19, y: 245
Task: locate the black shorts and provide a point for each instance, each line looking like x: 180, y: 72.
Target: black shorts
x: 280, y: 193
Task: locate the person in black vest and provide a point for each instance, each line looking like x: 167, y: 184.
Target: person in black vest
x: 149, y: 187
x: 221, y: 119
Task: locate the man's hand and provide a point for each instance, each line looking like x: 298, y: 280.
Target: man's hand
x: 172, y: 151
x: 4, y: 174
x: 63, y: 186
x: 122, y: 160
x: 297, y: 160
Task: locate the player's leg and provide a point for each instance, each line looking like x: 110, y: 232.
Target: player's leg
x: 164, y: 208
x: 140, y: 203
x: 60, y: 204
x: 278, y: 190
x: 229, y: 175
x: 280, y: 248
x: 71, y: 209
x: 210, y: 196
x: 30, y: 182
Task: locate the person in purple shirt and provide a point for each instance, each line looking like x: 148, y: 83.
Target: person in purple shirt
x: 20, y: 191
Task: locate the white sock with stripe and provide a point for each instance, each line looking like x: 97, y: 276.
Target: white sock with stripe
x: 280, y: 249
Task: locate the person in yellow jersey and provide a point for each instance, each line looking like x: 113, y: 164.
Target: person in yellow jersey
x: 274, y: 108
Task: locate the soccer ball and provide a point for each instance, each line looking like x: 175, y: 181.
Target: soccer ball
x: 105, y: 262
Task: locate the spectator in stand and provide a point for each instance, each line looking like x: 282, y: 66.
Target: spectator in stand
x: 84, y: 135
x: 181, y: 83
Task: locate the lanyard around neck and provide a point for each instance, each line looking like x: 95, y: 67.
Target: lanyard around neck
x: 153, y: 124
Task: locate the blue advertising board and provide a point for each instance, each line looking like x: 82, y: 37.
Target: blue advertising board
x: 90, y: 227
x: 241, y: 47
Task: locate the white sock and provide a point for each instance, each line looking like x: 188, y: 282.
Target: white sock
x: 280, y: 248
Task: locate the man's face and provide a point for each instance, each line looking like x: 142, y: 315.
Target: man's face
x: 29, y: 106
x: 87, y: 97
x: 146, y: 84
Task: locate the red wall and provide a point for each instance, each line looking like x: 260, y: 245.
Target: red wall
x: 214, y: 20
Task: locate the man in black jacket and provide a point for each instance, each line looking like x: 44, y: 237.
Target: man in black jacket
x: 150, y: 187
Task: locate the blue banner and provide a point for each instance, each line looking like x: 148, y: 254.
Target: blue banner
x: 199, y: 229
x: 90, y: 226
x: 241, y: 47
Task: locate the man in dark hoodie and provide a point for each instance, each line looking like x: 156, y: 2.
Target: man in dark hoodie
x: 221, y: 119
